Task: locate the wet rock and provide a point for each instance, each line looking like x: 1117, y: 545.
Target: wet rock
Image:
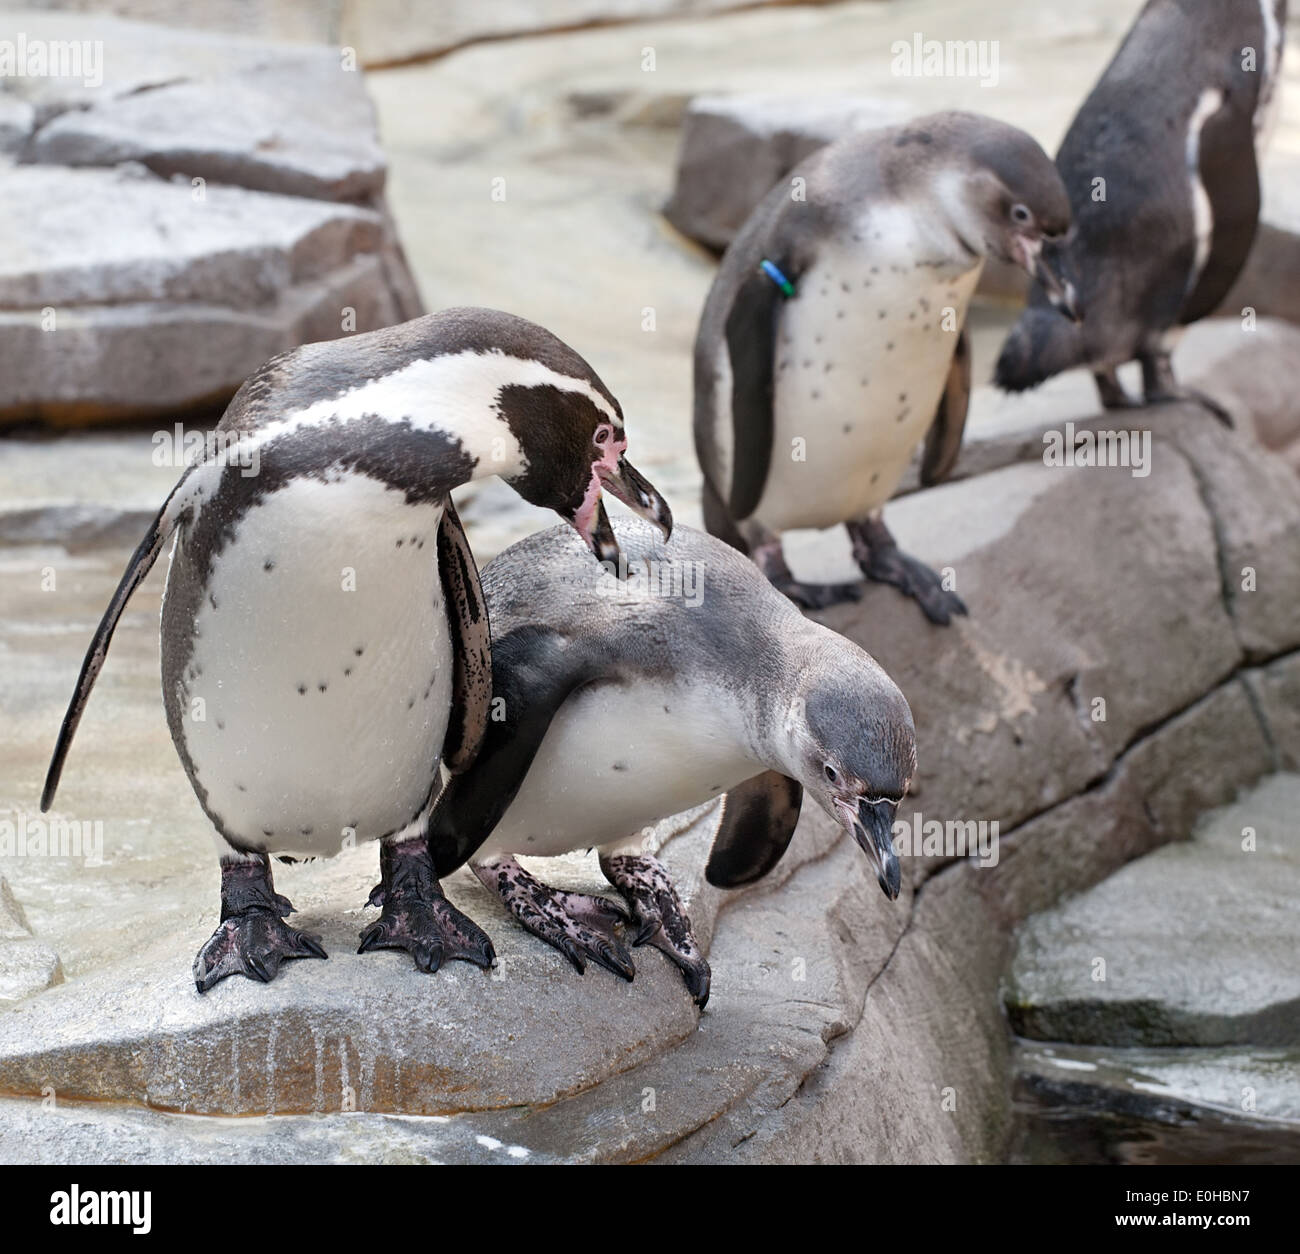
x: 1081, y: 1104
x: 1191, y: 945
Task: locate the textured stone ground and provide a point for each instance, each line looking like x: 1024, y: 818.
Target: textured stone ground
x: 1082, y: 584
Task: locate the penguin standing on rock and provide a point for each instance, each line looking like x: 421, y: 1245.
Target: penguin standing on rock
x: 325, y: 642
x: 1161, y: 169
x: 832, y: 342
x: 628, y: 701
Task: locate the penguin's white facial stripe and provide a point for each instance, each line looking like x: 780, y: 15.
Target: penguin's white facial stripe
x: 456, y: 393
x: 956, y: 195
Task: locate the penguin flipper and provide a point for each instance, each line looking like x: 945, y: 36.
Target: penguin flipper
x: 141, y: 563
x: 751, y: 344
x: 758, y: 820
x: 943, y: 442
x: 467, y: 617
x: 534, y: 670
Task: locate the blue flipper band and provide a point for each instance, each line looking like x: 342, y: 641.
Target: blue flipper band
x: 787, y: 288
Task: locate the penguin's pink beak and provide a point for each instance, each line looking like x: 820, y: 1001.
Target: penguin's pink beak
x: 613, y: 471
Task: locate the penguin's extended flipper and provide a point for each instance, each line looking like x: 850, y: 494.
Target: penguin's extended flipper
x: 160, y: 530
x: 467, y: 616
x: 758, y: 820
x: 534, y: 669
x: 943, y: 443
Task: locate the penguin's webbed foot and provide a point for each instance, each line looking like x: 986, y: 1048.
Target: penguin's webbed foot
x: 659, y: 916
x: 580, y: 926
x: 880, y: 558
x: 809, y: 596
x: 252, y: 938
x: 1111, y: 392
x: 417, y: 916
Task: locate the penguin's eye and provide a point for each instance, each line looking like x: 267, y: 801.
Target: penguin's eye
x: 832, y: 775
x: 1021, y: 214
x: 602, y: 435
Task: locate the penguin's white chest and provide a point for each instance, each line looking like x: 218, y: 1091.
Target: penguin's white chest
x: 315, y: 702
x: 616, y: 759
x: 862, y: 358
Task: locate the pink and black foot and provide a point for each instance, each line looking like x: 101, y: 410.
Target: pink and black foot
x: 770, y: 559
x: 417, y: 917
x: 880, y: 558
x: 659, y: 917
x: 252, y: 938
x: 580, y: 926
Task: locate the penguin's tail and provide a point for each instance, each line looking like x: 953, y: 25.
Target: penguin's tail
x: 1042, y: 344
x: 174, y: 511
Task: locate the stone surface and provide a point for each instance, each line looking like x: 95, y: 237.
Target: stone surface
x: 26, y: 966
x: 1197, y: 939
x: 399, y: 30
x: 303, y: 130
x: 212, y: 201
x: 1180, y: 1106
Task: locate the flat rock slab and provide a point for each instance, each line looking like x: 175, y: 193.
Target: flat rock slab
x: 1259, y: 1085
x: 355, y: 1032
x: 189, y: 207
x: 1194, y: 944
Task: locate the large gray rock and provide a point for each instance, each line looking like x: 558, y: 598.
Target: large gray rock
x: 1192, y: 945
x: 213, y: 201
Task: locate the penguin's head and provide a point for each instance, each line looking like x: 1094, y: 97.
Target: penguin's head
x: 1040, y: 345
x: 573, y: 446
x: 1013, y: 205
x: 856, y: 751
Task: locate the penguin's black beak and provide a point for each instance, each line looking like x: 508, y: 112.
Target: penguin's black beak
x: 631, y: 487
x: 1046, y: 269
x: 873, y: 829
x: 600, y: 537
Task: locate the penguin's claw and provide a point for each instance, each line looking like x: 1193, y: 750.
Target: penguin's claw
x: 660, y: 917
x: 253, y: 944
x: 887, y: 563
x: 817, y: 596
x: 432, y: 932
x: 417, y: 917
x: 580, y: 926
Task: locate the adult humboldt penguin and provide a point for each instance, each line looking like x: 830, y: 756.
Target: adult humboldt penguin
x: 627, y: 701
x: 324, y: 637
x: 1161, y: 168
x: 832, y: 342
